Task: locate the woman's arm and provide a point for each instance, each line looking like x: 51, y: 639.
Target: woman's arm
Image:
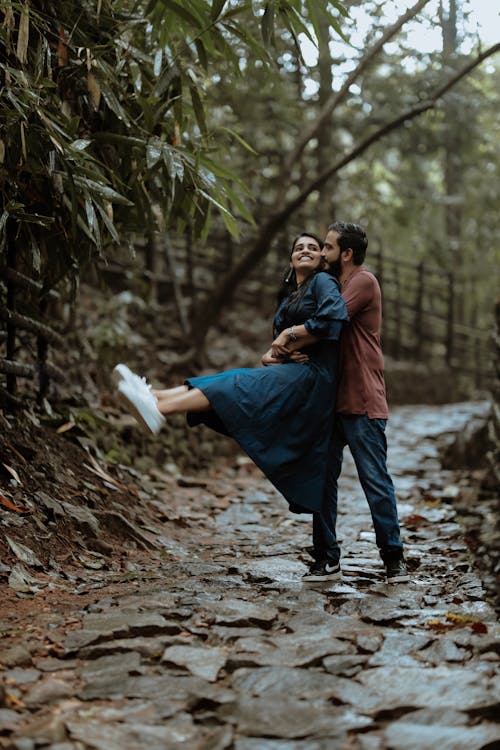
x: 292, y: 339
x: 324, y: 323
x: 295, y: 356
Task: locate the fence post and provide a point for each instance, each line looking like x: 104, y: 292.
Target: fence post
x: 397, y: 282
x: 450, y: 320
x: 42, y: 349
x: 417, y: 351
x: 11, y: 306
x: 380, y: 267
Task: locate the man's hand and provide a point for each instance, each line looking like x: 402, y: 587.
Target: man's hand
x: 298, y: 357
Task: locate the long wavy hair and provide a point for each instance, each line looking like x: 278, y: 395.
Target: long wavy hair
x: 289, y: 287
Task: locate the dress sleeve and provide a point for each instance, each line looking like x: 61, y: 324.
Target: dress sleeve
x: 331, y: 312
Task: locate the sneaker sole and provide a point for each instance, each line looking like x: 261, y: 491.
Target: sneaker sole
x: 138, y: 416
x: 328, y: 577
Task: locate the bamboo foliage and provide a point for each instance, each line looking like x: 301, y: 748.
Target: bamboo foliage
x: 102, y: 117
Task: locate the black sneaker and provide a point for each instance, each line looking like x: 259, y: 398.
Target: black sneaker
x: 396, y: 571
x: 323, y: 570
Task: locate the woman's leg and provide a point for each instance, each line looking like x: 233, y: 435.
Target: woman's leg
x: 181, y: 399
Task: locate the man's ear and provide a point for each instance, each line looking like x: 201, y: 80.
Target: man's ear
x: 347, y: 254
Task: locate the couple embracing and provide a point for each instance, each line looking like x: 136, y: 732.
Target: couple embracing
x: 321, y: 388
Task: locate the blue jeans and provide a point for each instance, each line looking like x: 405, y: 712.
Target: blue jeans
x: 367, y: 443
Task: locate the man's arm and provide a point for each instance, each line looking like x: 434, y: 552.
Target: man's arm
x: 358, y: 293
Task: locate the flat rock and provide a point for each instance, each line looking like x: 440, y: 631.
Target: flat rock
x: 50, y: 690
x: 176, y: 733
x: 201, y: 661
x: 240, y: 612
x: 405, y: 735
x: 445, y: 686
x: 147, y: 647
x: 278, y: 681
x: 112, y: 665
x: 284, y: 717
x: 262, y: 743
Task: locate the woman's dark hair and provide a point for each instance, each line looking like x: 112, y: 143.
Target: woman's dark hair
x: 289, y: 282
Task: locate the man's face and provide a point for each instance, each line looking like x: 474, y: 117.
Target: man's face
x: 332, y: 253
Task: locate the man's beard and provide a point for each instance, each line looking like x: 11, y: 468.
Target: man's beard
x: 335, y: 268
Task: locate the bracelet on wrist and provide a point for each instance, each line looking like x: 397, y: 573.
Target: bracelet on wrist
x: 292, y: 335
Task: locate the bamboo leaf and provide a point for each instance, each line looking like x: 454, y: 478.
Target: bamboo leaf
x: 23, y: 35
x: 202, y: 54
x: 108, y: 223
x: 240, y: 139
x: 100, y: 189
x: 216, y: 10
x: 267, y: 26
x: 80, y: 144
x: 198, y: 108
x: 154, y: 151
x: 36, y: 257
x: 183, y: 12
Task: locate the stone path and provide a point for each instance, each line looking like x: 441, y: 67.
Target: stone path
x: 214, y: 643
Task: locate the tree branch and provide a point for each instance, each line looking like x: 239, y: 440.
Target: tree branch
x: 208, y: 314
x: 406, y: 116
x: 337, y: 98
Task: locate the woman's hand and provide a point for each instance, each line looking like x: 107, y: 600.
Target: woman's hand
x: 268, y: 359
x: 279, y: 347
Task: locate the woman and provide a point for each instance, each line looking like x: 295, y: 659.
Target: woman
x: 280, y: 414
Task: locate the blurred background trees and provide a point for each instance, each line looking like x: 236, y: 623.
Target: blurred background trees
x: 184, y: 136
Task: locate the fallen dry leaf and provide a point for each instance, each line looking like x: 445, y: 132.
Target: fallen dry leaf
x: 96, y: 469
x: 414, y: 521
x: 455, y: 621
x: 10, y: 505
x: 12, y: 472
x: 65, y: 427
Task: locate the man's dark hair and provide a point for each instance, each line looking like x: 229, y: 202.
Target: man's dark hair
x: 351, y: 236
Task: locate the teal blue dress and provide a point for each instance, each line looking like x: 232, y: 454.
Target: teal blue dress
x: 282, y: 415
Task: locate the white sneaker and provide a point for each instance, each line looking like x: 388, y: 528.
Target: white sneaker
x: 141, y: 402
x: 122, y: 372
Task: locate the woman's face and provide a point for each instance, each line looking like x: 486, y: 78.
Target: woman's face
x: 306, y: 256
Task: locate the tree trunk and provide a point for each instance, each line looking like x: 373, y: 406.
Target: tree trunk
x: 454, y: 130
x: 325, y: 140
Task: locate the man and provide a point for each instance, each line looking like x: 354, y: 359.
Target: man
x: 361, y: 411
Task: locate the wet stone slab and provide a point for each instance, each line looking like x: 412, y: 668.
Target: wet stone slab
x: 177, y: 733
x: 240, y: 612
x: 284, y: 717
x: 419, y: 687
x: 204, y: 662
x: 446, y: 730
x: 275, y: 682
